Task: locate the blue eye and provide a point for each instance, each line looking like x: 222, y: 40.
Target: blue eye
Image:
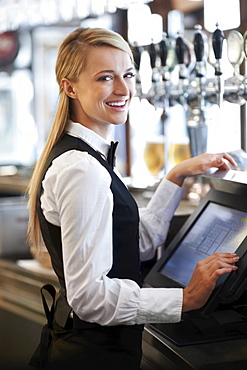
x: 130, y: 75
x: 105, y: 78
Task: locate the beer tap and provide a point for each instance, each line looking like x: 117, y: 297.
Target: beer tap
x: 194, y: 91
x: 163, y: 53
x: 195, y: 115
x: 234, y: 85
x: 181, y: 49
x: 245, y: 54
x: 200, y: 69
x: 217, y: 41
x: 137, y: 51
x: 155, y: 93
x: 245, y: 44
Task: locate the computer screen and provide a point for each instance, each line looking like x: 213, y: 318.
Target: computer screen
x: 217, y: 229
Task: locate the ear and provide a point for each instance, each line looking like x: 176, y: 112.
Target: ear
x: 68, y: 88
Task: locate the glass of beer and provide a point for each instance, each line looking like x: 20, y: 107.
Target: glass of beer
x: 154, y: 155
x: 178, y: 152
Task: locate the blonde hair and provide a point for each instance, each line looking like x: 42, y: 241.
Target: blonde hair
x: 71, y: 61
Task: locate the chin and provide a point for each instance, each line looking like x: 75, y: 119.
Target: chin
x: 119, y: 123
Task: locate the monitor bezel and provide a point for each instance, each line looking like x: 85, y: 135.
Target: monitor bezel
x: 230, y: 286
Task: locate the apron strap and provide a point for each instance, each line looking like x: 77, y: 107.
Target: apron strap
x: 49, y: 312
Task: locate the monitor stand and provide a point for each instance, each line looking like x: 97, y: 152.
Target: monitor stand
x: 227, y: 323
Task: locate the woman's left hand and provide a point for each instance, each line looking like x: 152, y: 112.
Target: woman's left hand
x: 198, y: 165
x: 204, y: 278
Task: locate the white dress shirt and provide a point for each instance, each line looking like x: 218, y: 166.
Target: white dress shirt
x: 77, y: 198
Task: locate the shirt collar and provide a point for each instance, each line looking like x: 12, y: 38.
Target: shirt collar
x: 89, y: 136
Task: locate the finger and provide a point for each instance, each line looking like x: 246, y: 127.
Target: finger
x: 230, y: 159
x: 222, y: 265
x: 226, y: 256
x: 220, y: 161
x: 211, y: 160
x: 218, y: 261
x: 216, y: 256
x: 223, y: 270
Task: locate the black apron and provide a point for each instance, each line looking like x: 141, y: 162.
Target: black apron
x: 74, y: 343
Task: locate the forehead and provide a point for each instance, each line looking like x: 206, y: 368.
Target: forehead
x: 107, y: 58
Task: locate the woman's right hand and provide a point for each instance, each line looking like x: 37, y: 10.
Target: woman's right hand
x: 204, y: 278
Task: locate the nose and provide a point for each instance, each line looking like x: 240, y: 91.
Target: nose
x: 121, y: 87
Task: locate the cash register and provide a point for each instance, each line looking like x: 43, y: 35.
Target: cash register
x: 218, y: 224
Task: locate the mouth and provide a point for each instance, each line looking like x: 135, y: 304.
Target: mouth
x: 117, y: 104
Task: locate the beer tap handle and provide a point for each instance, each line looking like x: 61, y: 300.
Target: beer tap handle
x: 198, y: 44
x: 153, y: 55
x: 218, y: 38
x: 163, y: 54
x: 217, y: 41
x: 245, y: 44
x: 200, y: 72
x: 180, y: 50
x: 137, y: 56
x: 235, y: 50
x: 245, y: 54
x: 233, y: 89
x: 137, y: 52
x: 163, y: 48
x: 155, y: 93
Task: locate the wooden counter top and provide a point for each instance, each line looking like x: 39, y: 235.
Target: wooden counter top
x: 20, y: 288
x: 13, y: 185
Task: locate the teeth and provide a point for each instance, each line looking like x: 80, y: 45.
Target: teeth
x: 117, y: 104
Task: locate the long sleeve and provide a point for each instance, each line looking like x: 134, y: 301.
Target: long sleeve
x: 155, y: 218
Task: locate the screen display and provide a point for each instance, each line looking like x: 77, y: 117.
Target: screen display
x: 218, y: 229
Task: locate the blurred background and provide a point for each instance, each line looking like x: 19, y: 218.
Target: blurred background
x: 188, y: 99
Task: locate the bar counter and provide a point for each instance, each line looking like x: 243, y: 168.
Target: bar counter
x: 22, y: 315
x: 22, y: 318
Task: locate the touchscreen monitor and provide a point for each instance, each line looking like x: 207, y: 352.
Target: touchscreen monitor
x: 219, y: 224
x: 217, y: 229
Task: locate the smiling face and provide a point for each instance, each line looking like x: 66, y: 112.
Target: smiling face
x: 103, y: 91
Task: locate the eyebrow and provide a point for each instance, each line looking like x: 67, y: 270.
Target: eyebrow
x: 112, y: 71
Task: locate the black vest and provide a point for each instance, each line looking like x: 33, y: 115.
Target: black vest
x: 118, y: 346
x: 126, y: 264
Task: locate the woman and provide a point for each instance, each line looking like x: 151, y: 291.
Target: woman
x: 90, y: 223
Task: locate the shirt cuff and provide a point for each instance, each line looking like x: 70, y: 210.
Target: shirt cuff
x: 160, y: 305
x: 166, y: 199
